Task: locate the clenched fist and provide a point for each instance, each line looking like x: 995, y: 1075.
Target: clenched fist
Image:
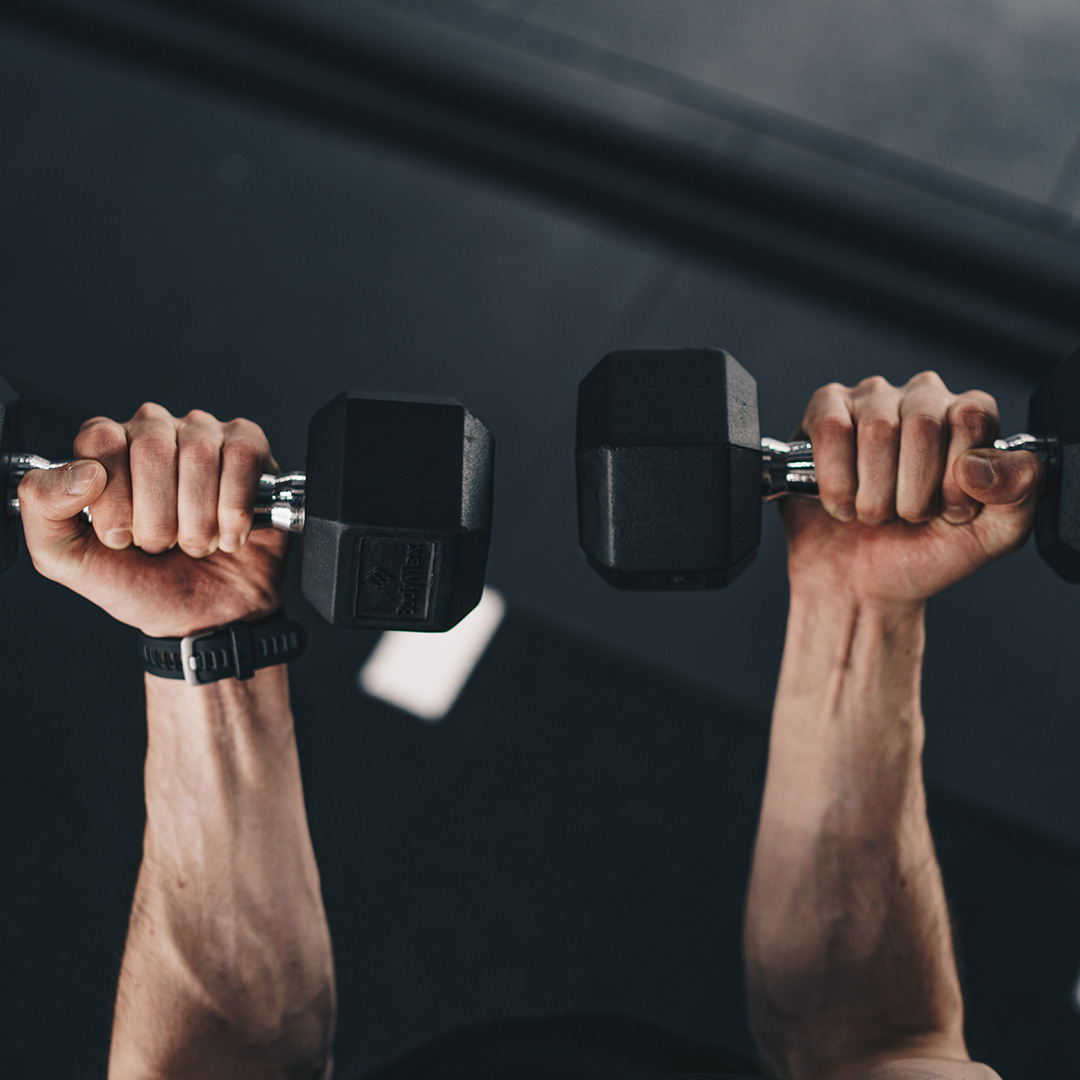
x: 913, y: 495
x: 170, y: 550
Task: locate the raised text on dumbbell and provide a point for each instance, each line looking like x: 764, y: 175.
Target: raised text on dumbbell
x: 395, y: 578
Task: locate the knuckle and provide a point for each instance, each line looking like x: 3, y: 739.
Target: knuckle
x: 924, y: 426
x: 1028, y: 471
x: 879, y: 429
x: 195, y: 544
x: 98, y: 421
x: 874, y: 384
x: 243, y: 429
x: 915, y: 508
x: 247, y: 456
x: 201, y: 417
x: 833, y: 426
x: 246, y: 450
x: 836, y: 488
x: 154, y: 448
x: 875, y: 515
x: 981, y: 398
x: 828, y: 393
x: 155, y: 539
x: 202, y: 452
x: 927, y: 380
x: 100, y: 436
x: 973, y: 418
x: 875, y: 505
x: 151, y: 410
x: 27, y: 489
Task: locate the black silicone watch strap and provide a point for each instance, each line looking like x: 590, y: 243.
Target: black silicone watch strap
x: 224, y: 652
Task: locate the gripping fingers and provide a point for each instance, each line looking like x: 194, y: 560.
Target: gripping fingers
x: 106, y: 441
x: 199, y: 442
x: 245, y: 455
x: 974, y: 422
x: 876, y: 408
x: 924, y: 441
x: 152, y: 435
x: 829, y: 427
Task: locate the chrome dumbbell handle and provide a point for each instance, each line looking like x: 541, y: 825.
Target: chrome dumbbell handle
x: 788, y: 468
x: 279, y: 502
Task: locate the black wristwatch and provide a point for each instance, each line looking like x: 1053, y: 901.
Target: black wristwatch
x: 237, y: 650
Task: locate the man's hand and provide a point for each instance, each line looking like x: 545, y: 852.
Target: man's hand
x: 172, y: 499
x: 228, y: 968
x: 850, y: 970
x: 913, y: 496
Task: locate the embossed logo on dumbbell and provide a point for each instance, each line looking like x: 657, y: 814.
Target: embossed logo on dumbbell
x: 380, y: 577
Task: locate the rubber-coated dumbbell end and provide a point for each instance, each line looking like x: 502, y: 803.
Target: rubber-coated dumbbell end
x: 279, y: 501
x: 788, y: 468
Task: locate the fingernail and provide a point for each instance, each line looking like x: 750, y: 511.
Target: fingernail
x: 230, y: 542
x: 118, y: 538
x: 956, y: 515
x: 979, y: 471
x: 80, y: 477
x: 846, y: 512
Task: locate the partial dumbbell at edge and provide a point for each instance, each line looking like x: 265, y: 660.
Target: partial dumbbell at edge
x: 394, y: 509
x: 672, y: 470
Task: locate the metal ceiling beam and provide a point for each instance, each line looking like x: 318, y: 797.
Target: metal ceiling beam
x: 363, y: 77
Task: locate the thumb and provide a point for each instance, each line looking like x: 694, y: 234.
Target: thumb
x: 50, y: 502
x: 1000, y: 478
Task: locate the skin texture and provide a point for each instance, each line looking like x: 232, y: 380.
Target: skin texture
x: 228, y: 968
x: 850, y: 970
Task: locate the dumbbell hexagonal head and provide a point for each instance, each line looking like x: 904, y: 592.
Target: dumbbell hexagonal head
x: 10, y: 439
x: 1054, y: 409
x: 655, y: 430
x: 398, y: 512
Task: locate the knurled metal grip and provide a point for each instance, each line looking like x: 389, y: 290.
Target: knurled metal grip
x: 788, y: 468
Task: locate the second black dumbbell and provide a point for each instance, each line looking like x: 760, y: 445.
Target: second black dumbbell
x: 394, y: 508
x: 672, y: 469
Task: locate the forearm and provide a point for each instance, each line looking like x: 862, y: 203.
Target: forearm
x: 228, y: 969
x: 849, y: 953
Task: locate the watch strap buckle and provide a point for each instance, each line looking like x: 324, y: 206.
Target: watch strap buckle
x: 188, y: 663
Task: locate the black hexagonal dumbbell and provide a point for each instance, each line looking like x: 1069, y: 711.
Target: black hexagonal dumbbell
x: 672, y: 469
x: 394, y: 509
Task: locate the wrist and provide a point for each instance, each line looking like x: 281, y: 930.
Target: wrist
x: 265, y: 695
x: 838, y: 601
x: 173, y: 629
x: 851, y: 665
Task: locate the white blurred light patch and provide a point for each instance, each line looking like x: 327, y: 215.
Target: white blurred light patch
x: 424, y: 673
